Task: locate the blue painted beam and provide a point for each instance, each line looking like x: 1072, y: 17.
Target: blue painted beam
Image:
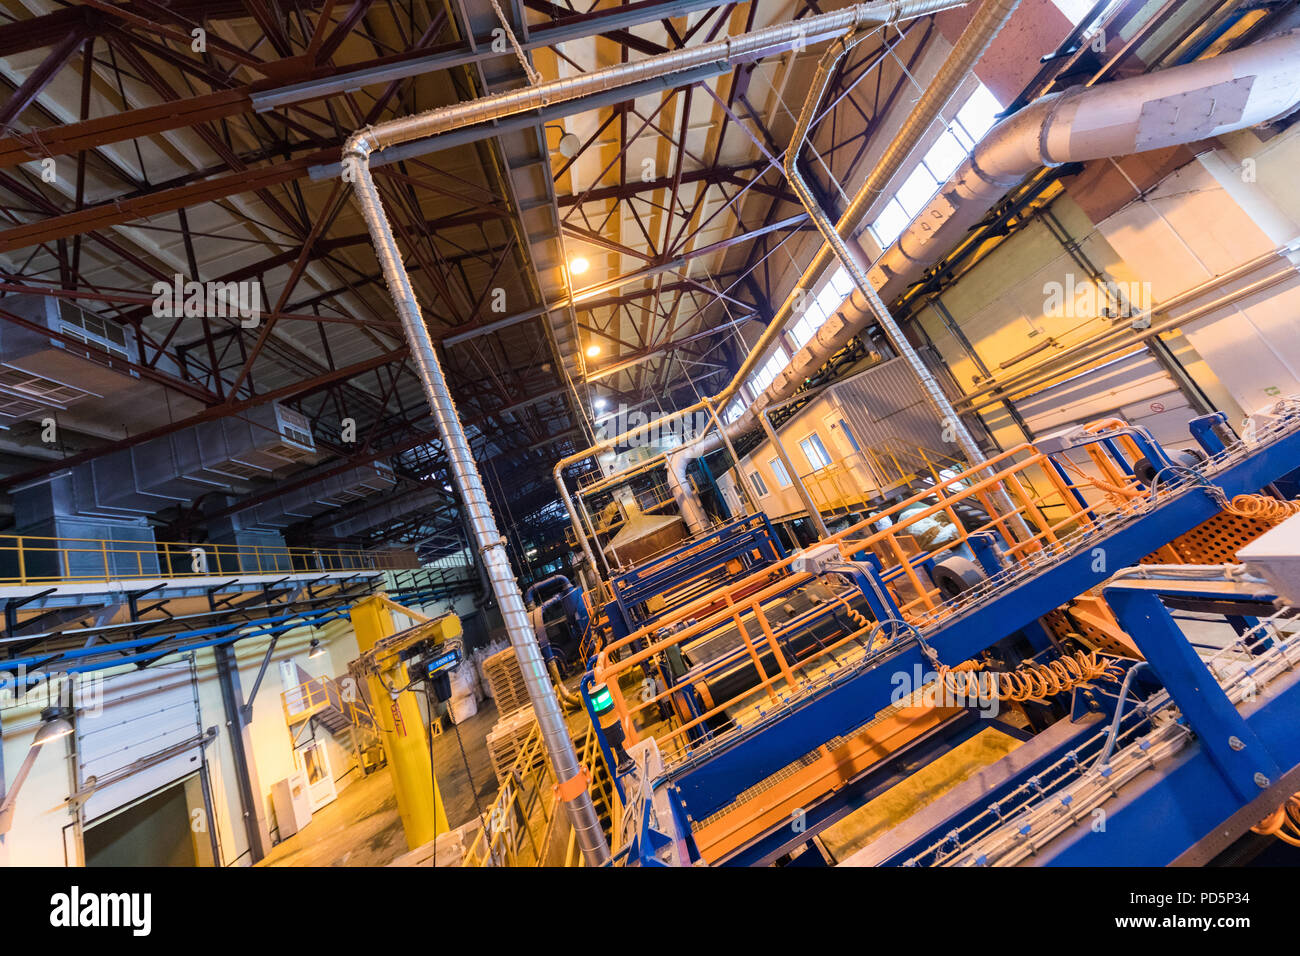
x: 711, y: 781
x: 1190, y: 798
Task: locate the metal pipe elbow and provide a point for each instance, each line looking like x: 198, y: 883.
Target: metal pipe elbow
x: 360, y: 144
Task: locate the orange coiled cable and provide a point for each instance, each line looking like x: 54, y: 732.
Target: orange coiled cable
x: 1283, y: 823
x: 1030, y: 682
x: 1262, y: 506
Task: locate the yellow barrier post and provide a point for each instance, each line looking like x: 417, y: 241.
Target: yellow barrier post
x: 401, y: 728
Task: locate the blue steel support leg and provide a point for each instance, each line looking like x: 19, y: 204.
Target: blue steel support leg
x: 1232, y: 746
x: 1203, y: 430
x: 1039, y: 638
x: 986, y: 552
x: 1075, y: 493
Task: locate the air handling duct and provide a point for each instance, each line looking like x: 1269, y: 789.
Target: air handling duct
x: 317, y: 497
x: 385, y: 511
x: 1176, y: 106
x: 975, y: 39
x: 988, y: 21
x: 225, y: 455
x: 356, y: 162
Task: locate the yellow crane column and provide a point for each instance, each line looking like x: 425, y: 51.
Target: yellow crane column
x: 401, y: 727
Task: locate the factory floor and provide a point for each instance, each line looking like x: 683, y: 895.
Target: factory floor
x: 362, y: 827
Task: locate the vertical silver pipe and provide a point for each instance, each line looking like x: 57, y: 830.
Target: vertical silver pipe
x: 750, y: 499
x: 490, y: 543
x: 814, y: 513
x: 356, y: 166
x: 988, y: 21
x: 986, y: 24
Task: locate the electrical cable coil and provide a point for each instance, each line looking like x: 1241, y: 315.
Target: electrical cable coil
x: 1283, y: 823
x: 1031, y: 682
x: 1262, y: 506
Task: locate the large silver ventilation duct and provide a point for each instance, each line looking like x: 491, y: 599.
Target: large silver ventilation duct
x: 1176, y: 106
x: 975, y: 39
x: 356, y: 168
x: 988, y: 21
x: 697, y: 522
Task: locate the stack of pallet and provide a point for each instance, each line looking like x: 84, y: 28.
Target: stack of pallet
x: 508, y: 690
x: 506, y: 739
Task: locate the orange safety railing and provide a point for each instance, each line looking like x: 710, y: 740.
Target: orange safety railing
x: 1003, y: 489
x: 859, y: 478
x: 33, y: 559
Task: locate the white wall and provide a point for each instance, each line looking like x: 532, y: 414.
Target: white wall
x: 41, y: 814
x: 1224, y: 209
x: 1202, y: 221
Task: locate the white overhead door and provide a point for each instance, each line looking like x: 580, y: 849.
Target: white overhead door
x: 143, y: 737
x: 1135, y: 388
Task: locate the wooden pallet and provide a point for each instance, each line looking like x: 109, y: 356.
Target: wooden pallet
x: 507, y: 680
x: 506, y: 739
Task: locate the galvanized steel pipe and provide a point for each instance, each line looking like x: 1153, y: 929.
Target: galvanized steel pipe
x: 356, y: 167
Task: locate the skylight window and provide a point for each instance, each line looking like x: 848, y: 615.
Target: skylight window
x: 975, y: 118
x: 828, y: 300
x: 820, y: 307
x: 807, y: 326
x: 916, y: 190
x: 891, y: 222
x: 1074, y: 10
x: 841, y: 283
x: 945, y: 156
x: 980, y: 113
x: 770, y: 370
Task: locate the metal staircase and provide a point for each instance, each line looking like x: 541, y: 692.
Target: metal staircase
x: 341, y: 709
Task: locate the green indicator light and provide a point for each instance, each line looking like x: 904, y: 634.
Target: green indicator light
x: 601, y: 700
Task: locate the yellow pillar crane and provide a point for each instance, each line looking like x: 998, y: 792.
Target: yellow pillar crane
x: 397, y: 711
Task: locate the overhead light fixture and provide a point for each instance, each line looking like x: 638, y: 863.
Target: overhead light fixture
x: 593, y: 351
x: 317, y: 649
x: 569, y: 144
x: 56, y: 723
x: 599, y: 403
x: 578, y: 265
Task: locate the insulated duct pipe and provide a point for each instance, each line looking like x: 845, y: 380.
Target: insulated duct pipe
x: 988, y: 21
x: 356, y: 168
x: 1176, y: 106
x: 697, y: 522
x: 570, y: 779
x: 983, y: 28
x: 985, y: 25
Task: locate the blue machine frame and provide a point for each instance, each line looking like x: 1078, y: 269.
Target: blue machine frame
x: 751, y: 540
x: 1211, y: 790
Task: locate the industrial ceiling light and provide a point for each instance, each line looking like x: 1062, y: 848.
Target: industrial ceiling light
x: 593, y: 351
x: 569, y: 144
x: 578, y: 265
x: 317, y: 649
x: 599, y: 403
x: 56, y: 724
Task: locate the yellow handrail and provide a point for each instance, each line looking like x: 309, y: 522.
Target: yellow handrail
x: 38, y: 559
x: 317, y: 693
x: 522, y: 817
